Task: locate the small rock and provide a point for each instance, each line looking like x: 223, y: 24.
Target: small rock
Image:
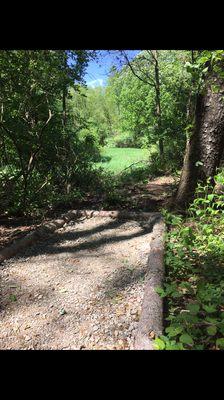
x: 27, y: 327
x: 152, y: 335
x: 95, y: 328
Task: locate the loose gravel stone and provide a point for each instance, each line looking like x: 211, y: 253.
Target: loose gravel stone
x: 81, y: 288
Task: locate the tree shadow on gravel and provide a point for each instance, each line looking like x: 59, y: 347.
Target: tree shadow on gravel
x: 95, y: 244
x: 55, y: 238
x: 51, y: 244
x: 123, y: 278
x: 16, y: 294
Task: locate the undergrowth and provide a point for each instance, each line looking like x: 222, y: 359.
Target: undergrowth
x: 194, y: 285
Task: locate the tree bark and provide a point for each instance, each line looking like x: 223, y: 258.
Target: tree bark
x: 64, y: 108
x: 158, y: 104
x: 206, y: 142
x: 64, y: 94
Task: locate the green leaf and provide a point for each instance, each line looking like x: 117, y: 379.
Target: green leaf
x: 205, y: 70
x: 220, y: 343
x: 199, y: 347
x: 209, y: 309
x: 213, y: 321
x: 199, y: 212
x: 221, y: 328
x: 187, y: 339
x: 174, y: 346
x: 174, y: 330
x: 160, y: 291
x: 212, y: 330
x: 193, y: 308
x: 159, y: 344
x: 211, y: 196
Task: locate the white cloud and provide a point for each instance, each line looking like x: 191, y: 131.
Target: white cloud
x: 97, y: 82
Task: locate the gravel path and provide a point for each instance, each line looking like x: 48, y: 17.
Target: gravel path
x: 81, y: 288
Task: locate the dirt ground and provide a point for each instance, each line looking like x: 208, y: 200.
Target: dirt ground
x: 153, y: 195
x: 15, y: 228
x: 150, y: 197
x: 81, y: 288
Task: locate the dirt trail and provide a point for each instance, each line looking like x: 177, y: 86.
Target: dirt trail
x: 82, y: 288
x: 149, y: 197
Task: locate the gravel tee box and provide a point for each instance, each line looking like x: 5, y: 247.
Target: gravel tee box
x: 81, y: 287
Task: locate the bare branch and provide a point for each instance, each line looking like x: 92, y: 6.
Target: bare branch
x: 151, y: 52
x: 134, y: 72
x: 44, y: 184
x: 34, y: 154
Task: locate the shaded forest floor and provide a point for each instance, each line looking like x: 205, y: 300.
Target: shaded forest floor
x: 153, y: 195
x: 150, y: 196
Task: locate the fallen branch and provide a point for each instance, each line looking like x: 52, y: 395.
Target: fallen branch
x: 151, y: 319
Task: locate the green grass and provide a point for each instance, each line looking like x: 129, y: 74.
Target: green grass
x: 116, y: 159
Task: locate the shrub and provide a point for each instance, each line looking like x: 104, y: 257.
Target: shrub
x: 194, y: 286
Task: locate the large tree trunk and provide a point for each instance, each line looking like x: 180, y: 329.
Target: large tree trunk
x: 206, y: 142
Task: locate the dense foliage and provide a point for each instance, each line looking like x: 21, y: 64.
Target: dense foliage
x: 53, y: 127
x: 123, y: 114
x: 41, y: 154
x: 194, y: 287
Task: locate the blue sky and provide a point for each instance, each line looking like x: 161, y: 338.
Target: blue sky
x: 97, y: 70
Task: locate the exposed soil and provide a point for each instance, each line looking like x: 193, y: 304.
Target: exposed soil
x: 151, y: 197
x: 82, y: 288
x: 15, y: 228
x: 147, y: 197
